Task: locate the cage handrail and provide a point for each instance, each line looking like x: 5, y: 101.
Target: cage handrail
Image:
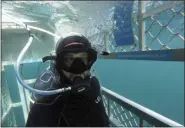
x: 157, y: 10
x: 139, y: 110
x: 161, y: 8
x: 29, y: 27
x: 176, y: 55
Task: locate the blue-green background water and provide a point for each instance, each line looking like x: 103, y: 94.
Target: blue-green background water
x: 158, y: 86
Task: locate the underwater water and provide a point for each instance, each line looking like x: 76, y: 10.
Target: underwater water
x: 158, y: 86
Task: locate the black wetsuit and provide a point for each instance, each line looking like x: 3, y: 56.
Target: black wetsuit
x: 68, y: 109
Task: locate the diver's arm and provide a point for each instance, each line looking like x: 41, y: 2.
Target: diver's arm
x: 98, y: 112
x: 35, y: 117
x: 41, y: 115
x: 101, y: 115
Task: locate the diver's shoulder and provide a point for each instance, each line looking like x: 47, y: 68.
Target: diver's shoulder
x: 47, y: 80
x: 48, y: 100
x: 95, y: 81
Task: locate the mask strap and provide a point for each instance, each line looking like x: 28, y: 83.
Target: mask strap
x: 46, y: 58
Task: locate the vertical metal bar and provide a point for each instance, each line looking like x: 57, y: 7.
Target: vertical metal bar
x: 140, y: 122
x: 105, y: 40
x: 24, y: 107
x: 14, y: 94
x: 25, y: 98
x: 108, y: 106
x: 12, y: 83
x: 141, y: 25
x: 85, y: 32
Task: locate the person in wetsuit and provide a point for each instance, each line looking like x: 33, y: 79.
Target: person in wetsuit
x: 80, y: 107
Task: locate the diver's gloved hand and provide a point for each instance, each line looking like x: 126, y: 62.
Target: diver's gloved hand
x: 81, y: 85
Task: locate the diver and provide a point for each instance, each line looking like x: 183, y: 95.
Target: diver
x: 70, y: 67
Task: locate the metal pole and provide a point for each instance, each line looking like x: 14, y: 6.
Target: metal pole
x: 141, y: 10
x: 140, y: 122
x: 25, y: 98
x: 108, y: 106
x: 24, y: 106
x: 105, y: 41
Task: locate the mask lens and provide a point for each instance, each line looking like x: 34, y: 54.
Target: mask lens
x: 68, y: 60
x: 70, y: 57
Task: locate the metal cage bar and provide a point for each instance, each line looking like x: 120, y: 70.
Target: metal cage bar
x: 140, y: 111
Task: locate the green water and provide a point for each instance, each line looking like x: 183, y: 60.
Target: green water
x: 158, y: 86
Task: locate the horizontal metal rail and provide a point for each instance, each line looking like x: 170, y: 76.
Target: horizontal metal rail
x: 9, y: 110
x: 161, y: 8
x: 6, y: 114
x: 155, y: 55
x: 142, y: 112
x: 12, y: 23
